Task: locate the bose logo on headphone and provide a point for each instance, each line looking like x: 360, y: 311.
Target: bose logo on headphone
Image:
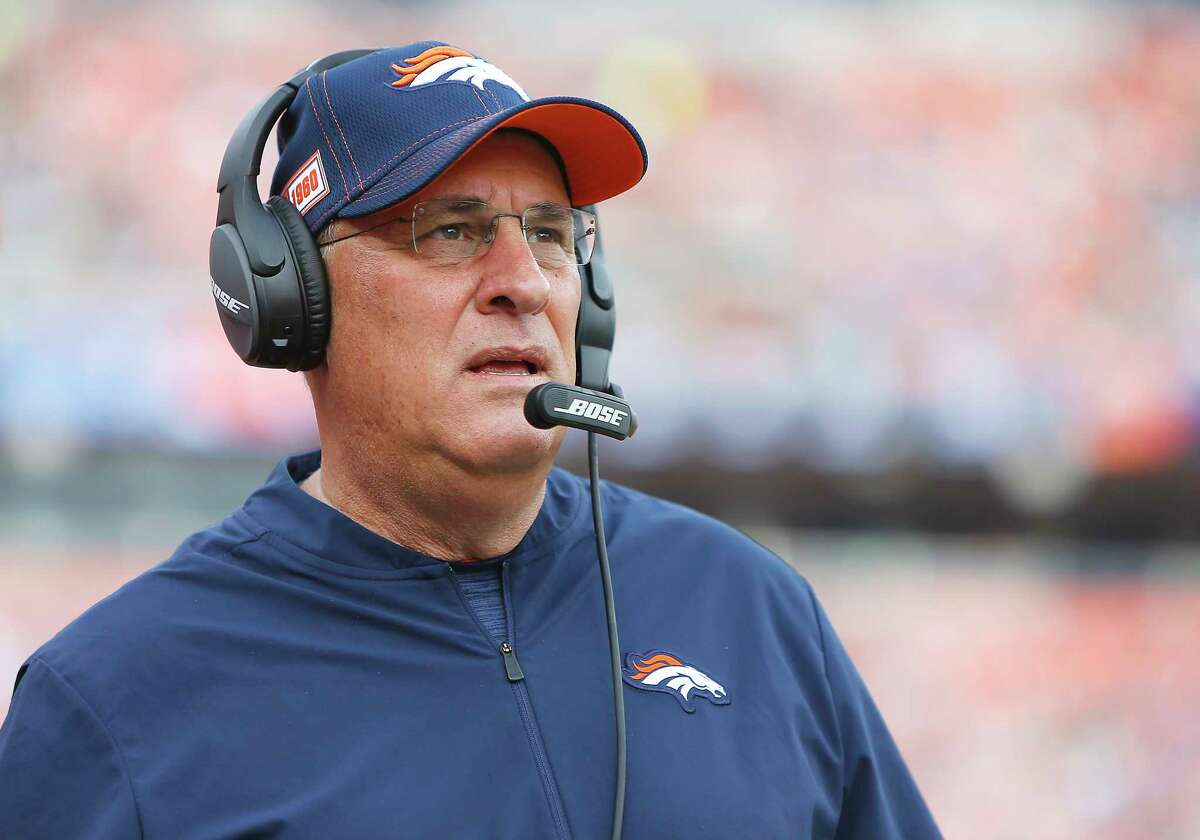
x: 593, y: 411
x: 231, y: 303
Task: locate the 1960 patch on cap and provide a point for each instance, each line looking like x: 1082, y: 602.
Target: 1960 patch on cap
x: 309, y: 185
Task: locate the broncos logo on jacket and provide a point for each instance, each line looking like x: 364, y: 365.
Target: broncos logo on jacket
x: 658, y: 670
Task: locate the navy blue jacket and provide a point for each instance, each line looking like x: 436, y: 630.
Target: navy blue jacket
x: 289, y: 673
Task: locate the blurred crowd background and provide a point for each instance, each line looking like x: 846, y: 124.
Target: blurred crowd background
x: 911, y: 293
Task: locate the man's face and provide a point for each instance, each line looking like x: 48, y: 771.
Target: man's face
x: 433, y: 361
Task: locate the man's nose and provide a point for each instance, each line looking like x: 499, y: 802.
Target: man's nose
x: 512, y: 281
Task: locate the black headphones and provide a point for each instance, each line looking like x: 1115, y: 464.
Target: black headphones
x: 268, y: 278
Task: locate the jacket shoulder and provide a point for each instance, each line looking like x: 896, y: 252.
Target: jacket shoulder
x: 133, y: 628
x: 672, y: 533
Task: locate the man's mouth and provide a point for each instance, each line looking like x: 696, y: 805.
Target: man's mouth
x: 508, y: 361
x: 506, y: 367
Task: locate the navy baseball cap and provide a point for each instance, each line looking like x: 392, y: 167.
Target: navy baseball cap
x: 371, y: 132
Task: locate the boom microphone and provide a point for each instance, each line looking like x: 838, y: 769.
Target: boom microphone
x: 556, y: 404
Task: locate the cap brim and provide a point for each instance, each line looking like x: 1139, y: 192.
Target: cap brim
x: 601, y: 152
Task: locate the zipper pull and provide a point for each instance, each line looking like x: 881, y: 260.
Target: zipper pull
x: 511, y: 665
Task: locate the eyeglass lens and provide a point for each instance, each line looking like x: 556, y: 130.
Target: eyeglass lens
x: 448, y: 230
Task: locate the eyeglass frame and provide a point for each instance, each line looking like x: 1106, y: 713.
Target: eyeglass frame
x: 493, y: 230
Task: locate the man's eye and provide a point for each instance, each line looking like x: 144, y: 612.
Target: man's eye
x: 545, y: 235
x: 454, y: 232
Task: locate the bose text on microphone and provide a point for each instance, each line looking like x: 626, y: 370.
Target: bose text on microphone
x: 556, y: 404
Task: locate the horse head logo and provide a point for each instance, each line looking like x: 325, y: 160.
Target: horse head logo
x: 665, y: 672
x: 450, y: 64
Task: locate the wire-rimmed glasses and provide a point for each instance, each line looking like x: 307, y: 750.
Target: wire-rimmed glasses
x: 446, y: 231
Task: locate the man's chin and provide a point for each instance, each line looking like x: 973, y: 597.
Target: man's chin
x: 509, y: 447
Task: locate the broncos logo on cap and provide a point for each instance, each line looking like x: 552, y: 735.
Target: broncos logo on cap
x: 665, y: 672
x: 450, y: 64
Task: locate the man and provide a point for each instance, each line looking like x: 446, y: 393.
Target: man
x: 334, y: 659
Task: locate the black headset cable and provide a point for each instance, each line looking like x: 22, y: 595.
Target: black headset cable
x: 614, y: 646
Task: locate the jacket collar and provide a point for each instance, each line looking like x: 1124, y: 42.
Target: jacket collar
x: 281, y: 507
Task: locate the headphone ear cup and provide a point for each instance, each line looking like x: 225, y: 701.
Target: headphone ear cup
x: 314, y: 286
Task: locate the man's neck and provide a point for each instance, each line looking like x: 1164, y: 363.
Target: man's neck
x: 451, y: 515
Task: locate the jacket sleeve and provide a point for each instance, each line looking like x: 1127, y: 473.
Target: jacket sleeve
x: 61, y: 775
x: 880, y: 800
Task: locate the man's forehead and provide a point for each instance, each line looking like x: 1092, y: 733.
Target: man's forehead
x: 507, y: 166
x: 507, y: 161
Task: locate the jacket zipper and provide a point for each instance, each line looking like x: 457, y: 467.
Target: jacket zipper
x: 516, y: 678
x: 511, y: 666
x: 526, y: 707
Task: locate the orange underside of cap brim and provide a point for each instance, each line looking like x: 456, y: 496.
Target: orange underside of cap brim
x: 600, y: 155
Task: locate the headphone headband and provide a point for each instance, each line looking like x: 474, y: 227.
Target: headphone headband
x: 237, y: 184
